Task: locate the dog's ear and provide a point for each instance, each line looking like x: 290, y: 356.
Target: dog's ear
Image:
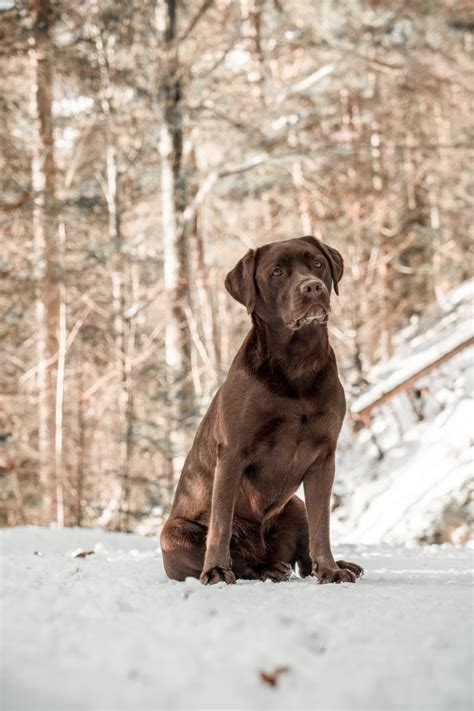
x: 240, y: 281
x: 336, y: 262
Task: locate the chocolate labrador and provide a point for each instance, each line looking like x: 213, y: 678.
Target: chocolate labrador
x: 273, y: 425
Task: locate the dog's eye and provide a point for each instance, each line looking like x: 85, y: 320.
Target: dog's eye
x: 317, y: 263
x: 277, y: 271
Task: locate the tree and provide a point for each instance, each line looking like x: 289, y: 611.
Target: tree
x: 47, y: 267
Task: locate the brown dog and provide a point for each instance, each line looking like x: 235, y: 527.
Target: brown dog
x: 272, y: 425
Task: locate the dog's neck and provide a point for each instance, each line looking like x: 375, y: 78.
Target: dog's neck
x: 293, y: 359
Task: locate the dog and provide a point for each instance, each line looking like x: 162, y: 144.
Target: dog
x: 272, y: 426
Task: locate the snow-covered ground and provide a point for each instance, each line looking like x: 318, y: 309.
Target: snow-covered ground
x: 109, y: 631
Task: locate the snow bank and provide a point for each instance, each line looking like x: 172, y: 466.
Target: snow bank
x: 417, y: 349
x: 401, y: 498
x: 109, y: 631
x: 420, y: 490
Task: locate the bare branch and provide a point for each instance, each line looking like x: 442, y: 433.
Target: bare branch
x: 307, y: 83
x: 194, y: 21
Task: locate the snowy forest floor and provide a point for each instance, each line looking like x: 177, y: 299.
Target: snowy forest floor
x: 109, y: 631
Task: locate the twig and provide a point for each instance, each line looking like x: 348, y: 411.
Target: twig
x: 194, y: 21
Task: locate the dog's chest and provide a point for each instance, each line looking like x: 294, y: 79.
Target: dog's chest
x: 283, y: 449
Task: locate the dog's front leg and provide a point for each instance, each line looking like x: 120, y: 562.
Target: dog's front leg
x: 217, y: 562
x: 317, y: 484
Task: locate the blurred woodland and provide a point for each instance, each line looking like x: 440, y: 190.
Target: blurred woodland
x: 145, y: 146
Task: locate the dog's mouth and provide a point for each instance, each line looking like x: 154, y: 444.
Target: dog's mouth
x: 314, y: 314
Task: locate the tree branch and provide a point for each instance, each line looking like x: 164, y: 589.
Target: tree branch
x: 194, y: 21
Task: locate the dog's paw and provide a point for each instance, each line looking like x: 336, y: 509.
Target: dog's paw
x: 277, y: 572
x: 334, y: 575
x: 353, y: 567
x: 217, y: 575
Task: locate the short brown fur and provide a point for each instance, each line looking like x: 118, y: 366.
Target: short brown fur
x: 272, y: 425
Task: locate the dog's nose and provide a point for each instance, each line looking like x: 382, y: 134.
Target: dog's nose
x: 311, y: 286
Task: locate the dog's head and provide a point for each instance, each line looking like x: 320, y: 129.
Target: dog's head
x: 288, y: 281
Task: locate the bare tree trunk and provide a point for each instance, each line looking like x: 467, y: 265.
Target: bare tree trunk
x: 18, y: 494
x: 204, y: 318
x: 224, y: 321
x: 207, y: 316
x: 118, y: 306
x: 173, y: 326
x: 251, y: 13
x: 175, y: 243
x: 124, y: 337
x: 46, y: 252
x: 357, y: 307
x: 410, y: 174
x: 204, y: 282
x: 386, y: 304
x: 127, y: 394
x: 439, y: 207
x: 81, y: 443
x: 60, y: 377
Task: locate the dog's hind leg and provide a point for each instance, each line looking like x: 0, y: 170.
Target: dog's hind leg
x: 287, y: 543
x: 247, y: 549
x: 242, y: 568
x: 183, y: 544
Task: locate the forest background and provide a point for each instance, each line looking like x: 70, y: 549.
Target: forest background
x: 145, y: 146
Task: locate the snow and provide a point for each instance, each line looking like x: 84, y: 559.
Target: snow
x: 447, y: 332
x: 109, y: 631
x: 412, y: 365
x: 419, y: 491
x: 402, y: 497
